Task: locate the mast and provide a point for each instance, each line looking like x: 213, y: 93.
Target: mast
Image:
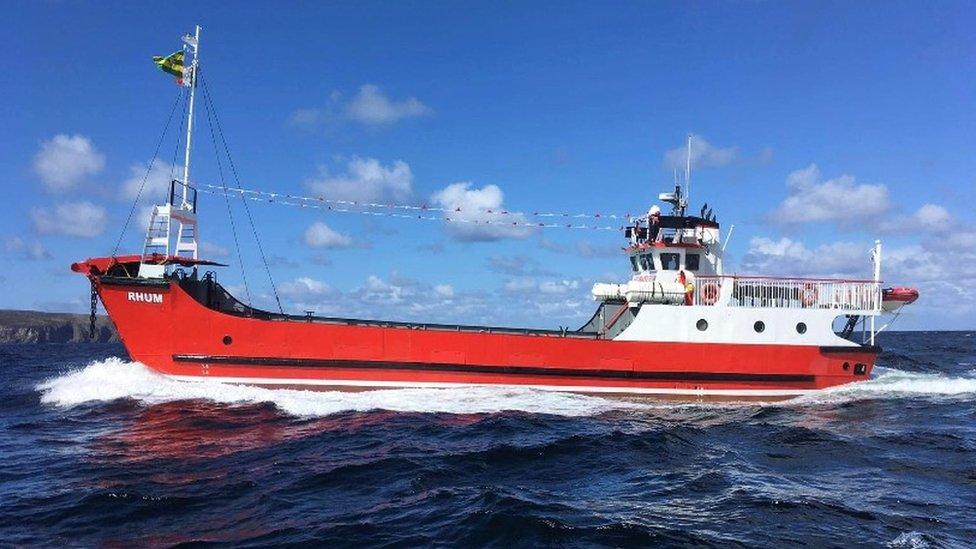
x: 194, y: 46
x: 159, y: 235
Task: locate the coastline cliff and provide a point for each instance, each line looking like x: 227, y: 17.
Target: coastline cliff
x: 22, y: 327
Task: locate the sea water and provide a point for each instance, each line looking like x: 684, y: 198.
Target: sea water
x: 97, y: 449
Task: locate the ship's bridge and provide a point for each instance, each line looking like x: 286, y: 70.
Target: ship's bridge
x: 674, y: 243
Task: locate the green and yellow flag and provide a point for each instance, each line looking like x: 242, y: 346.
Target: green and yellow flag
x: 172, y: 63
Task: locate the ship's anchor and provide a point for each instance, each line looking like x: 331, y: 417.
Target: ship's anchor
x: 94, y: 308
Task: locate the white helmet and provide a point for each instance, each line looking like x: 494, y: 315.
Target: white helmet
x: 654, y: 211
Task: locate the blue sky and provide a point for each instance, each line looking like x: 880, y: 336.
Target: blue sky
x: 821, y: 126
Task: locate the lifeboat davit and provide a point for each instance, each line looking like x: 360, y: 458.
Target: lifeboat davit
x: 895, y: 298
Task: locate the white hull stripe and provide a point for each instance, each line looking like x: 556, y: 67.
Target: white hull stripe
x: 561, y: 388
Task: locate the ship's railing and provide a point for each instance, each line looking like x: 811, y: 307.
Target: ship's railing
x: 794, y: 293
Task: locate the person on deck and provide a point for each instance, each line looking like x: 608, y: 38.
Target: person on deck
x: 653, y: 223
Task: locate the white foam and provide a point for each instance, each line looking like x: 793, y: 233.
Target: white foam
x: 112, y: 379
x: 892, y: 383
x: 910, y: 540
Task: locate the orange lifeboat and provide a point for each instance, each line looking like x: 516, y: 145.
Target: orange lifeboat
x: 895, y: 298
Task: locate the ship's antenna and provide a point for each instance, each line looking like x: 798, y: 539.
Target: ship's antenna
x: 687, y: 174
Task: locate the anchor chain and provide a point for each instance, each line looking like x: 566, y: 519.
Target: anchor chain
x: 94, y: 308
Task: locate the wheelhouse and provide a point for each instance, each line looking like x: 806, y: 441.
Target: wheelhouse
x: 675, y: 243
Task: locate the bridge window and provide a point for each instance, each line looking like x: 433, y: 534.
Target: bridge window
x: 634, y: 264
x: 669, y: 261
x: 692, y: 262
x: 647, y: 263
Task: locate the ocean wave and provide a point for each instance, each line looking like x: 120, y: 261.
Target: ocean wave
x: 114, y: 378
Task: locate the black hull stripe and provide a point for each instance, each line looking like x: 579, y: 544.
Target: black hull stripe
x: 840, y: 349
x: 489, y: 369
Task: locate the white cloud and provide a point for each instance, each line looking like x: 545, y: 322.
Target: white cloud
x: 65, y: 160
x: 475, y: 213
x: 786, y: 257
x: 703, y: 154
x: 306, y: 118
x: 157, y: 181
x: 529, y: 285
x: 520, y: 285
x: 70, y: 218
x: 371, y: 106
x: 445, y: 291
x: 377, y: 290
x: 32, y: 250
x: 943, y: 272
x: 401, y: 298
x: 304, y: 289
x: 931, y: 218
x: 366, y: 180
x: 320, y: 235
x: 841, y: 200
x: 558, y: 287
x: 934, y: 217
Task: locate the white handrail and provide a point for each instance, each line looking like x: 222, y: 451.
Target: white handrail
x: 795, y: 293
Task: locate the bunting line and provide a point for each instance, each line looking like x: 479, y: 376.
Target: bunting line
x: 343, y: 206
x: 410, y: 207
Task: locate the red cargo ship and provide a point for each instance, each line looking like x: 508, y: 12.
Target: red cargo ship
x: 680, y: 325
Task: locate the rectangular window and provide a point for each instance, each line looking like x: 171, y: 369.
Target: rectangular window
x: 692, y: 261
x: 647, y: 263
x: 633, y: 263
x: 669, y: 261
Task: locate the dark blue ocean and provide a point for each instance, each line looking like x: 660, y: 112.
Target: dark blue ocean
x: 96, y: 450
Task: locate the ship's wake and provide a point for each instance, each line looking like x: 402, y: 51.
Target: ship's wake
x: 894, y: 383
x: 111, y: 379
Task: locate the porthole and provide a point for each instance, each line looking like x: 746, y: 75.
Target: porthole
x: 228, y: 340
x: 702, y: 325
x: 847, y: 366
x: 759, y: 326
x: 801, y: 328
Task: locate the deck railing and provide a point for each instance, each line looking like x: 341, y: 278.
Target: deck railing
x: 796, y: 293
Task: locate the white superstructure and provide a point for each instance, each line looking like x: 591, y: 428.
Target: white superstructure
x: 679, y: 292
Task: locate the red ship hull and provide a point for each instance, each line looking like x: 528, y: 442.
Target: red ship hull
x: 167, y: 329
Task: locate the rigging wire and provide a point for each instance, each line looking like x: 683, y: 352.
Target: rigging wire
x: 247, y: 209
x: 230, y: 213
x: 145, y: 176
